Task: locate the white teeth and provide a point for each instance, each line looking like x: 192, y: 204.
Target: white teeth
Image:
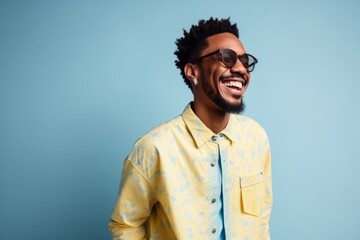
x: 233, y: 84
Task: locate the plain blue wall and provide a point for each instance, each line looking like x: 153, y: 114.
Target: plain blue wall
x: 80, y: 81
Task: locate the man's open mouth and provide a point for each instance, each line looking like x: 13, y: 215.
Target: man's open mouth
x: 233, y: 84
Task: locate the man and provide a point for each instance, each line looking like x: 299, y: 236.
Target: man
x: 205, y: 174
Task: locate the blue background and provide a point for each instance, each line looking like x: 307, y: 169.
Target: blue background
x: 80, y: 81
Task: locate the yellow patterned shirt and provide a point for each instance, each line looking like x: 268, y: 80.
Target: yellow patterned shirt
x: 170, y: 182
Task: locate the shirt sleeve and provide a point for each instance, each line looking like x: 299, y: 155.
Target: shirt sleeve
x: 268, y: 200
x: 133, y: 206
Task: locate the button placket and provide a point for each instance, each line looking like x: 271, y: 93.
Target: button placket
x: 214, y: 139
x: 224, y: 144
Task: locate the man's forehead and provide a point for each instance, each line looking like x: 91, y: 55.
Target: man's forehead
x: 224, y: 40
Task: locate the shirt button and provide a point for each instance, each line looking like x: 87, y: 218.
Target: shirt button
x: 212, y: 164
x: 214, y: 138
x: 213, y: 200
x: 214, y: 230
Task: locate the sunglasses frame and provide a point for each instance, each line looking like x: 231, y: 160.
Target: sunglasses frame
x: 249, y: 68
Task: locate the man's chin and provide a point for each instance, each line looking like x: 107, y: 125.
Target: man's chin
x: 230, y: 107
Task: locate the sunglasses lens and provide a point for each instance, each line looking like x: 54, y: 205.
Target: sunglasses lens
x: 229, y: 57
x: 248, y: 61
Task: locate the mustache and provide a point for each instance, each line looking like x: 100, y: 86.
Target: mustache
x: 234, y: 75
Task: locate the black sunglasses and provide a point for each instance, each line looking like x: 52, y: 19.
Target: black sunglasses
x: 229, y: 58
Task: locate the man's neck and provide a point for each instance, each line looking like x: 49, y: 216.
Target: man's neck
x: 214, y: 118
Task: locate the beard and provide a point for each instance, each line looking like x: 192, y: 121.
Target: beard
x: 228, y: 107
x: 221, y: 102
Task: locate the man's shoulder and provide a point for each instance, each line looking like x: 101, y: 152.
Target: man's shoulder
x: 160, y: 134
x: 146, y: 149
x: 164, y: 130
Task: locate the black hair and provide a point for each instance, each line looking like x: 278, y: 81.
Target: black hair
x: 194, y: 41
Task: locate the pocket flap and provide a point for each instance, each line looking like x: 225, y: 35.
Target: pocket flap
x: 252, y: 179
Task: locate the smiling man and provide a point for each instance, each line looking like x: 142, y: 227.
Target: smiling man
x: 205, y: 174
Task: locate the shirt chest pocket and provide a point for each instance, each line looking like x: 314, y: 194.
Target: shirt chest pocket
x: 252, y: 193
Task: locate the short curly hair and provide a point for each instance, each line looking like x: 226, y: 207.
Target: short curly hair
x: 194, y: 41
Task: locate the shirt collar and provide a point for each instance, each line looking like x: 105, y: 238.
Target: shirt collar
x: 201, y: 133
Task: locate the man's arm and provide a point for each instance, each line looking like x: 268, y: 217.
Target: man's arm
x: 133, y: 206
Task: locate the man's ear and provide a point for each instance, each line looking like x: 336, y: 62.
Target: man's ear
x: 191, y: 71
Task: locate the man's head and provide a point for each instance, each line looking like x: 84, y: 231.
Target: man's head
x: 214, y: 64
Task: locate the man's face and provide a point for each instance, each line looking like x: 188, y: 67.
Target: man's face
x: 223, y: 86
